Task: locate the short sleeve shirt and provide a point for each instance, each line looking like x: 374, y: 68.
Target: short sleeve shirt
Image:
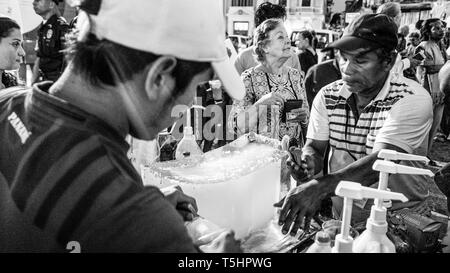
x: 400, y: 115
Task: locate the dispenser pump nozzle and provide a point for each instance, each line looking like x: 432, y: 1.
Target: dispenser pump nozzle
x: 394, y: 155
x: 357, y: 191
x: 391, y: 167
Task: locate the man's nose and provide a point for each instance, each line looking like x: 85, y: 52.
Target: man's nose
x: 346, y: 68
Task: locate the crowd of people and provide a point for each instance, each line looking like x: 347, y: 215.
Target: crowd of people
x: 64, y: 170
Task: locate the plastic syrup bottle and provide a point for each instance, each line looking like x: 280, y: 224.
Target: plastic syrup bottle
x: 188, y: 145
x: 322, y: 243
x: 374, y: 238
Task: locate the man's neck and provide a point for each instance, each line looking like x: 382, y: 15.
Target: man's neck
x: 364, y: 98
x: 99, y: 101
x: 48, y: 15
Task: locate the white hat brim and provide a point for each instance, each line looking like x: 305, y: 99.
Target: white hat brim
x: 230, y: 78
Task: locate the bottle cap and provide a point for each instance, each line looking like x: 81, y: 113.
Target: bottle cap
x: 322, y: 237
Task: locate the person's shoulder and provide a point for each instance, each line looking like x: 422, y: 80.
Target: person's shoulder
x: 61, y: 21
x: 323, y: 66
x: 293, y: 71
x: 333, y: 88
x: 13, y: 92
x: 246, y: 53
x: 248, y: 73
x: 406, y: 89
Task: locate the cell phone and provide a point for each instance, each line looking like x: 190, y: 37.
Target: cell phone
x: 290, y: 105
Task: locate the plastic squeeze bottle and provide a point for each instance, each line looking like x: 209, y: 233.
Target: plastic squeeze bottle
x: 322, y: 243
x: 188, y: 145
x: 375, y: 240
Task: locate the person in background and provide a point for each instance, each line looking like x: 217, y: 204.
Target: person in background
x: 11, y: 51
x: 266, y: 10
x: 308, y: 55
x: 52, y: 33
x: 402, y: 35
x: 410, y: 53
x: 444, y: 81
x: 393, y: 10
x: 428, y: 71
x: 442, y: 177
x: 322, y: 74
x: 64, y: 171
x: 269, y: 85
x: 368, y: 110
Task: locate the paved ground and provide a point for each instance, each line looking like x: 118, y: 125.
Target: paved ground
x: 441, y: 153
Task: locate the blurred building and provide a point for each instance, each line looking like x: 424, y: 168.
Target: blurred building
x: 301, y: 14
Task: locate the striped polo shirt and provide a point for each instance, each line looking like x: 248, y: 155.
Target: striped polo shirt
x: 401, y: 115
x: 65, y: 176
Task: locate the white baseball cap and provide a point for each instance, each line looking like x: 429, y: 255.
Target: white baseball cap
x: 192, y: 30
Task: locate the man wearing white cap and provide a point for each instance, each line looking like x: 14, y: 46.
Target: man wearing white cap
x: 64, y: 173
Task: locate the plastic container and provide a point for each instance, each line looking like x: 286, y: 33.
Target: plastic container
x: 322, y: 243
x: 235, y: 186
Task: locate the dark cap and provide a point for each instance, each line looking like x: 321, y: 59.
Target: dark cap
x: 368, y: 31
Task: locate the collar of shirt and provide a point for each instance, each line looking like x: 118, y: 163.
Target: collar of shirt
x: 42, y: 103
x: 343, y: 92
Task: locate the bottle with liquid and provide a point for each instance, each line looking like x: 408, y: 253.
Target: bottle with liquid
x: 188, y: 145
x: 322, y: 243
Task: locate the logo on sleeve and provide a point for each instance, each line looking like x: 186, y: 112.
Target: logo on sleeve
x: 20, y: 128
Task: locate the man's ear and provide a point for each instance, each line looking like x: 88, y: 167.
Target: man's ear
x: 159, y: 80
x: 390, y: 61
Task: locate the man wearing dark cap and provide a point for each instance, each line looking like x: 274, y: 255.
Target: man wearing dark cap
x: 51, y: 38
x: 368, y: 110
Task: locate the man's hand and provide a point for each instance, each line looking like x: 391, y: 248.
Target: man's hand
x: 185, y: 205
x: 301, y: 202
x: 301, y: 166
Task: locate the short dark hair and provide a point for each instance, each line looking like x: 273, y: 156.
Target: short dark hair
x: 6, y: 26
x: 268, y: 10
x: 94, y: 59
x: 425, y: 30
x: 306, y: 34
x: 262, y: 37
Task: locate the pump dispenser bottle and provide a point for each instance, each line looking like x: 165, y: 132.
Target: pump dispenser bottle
x: 374, y: 238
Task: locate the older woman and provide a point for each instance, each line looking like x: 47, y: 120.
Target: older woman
x: 275, y: 102
x: 11, y: 51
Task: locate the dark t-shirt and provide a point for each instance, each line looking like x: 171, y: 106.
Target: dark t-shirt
x: 307, y: 59
x: 320, y: 75
x: 65, y: 176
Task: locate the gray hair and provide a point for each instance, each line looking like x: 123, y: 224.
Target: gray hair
x: 391, y: 9
x: 261, y: 37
